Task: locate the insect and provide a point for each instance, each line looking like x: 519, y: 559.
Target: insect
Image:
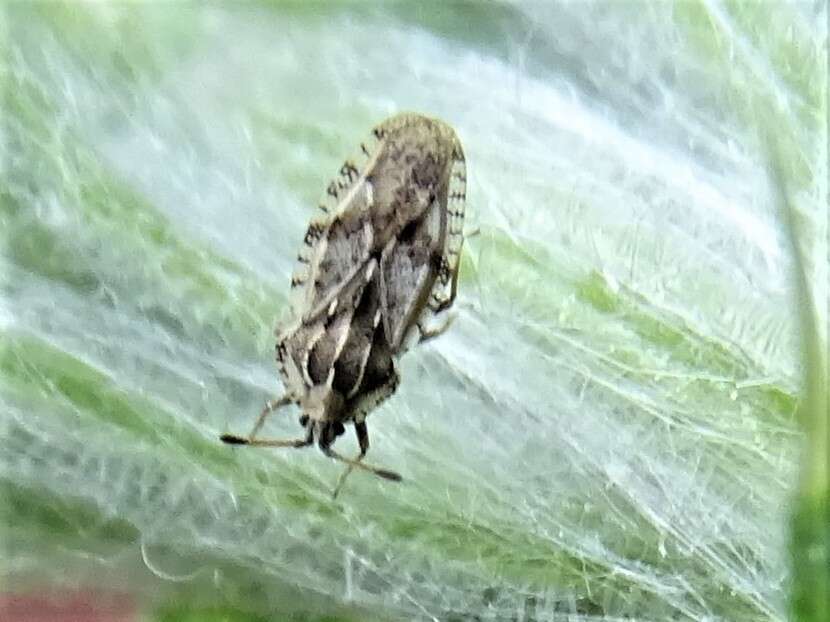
x: 377, y: 270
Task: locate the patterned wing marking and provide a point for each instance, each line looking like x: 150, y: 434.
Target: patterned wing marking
x: 340, y: 260
x: 347, y: 198
x: 408, y: 269
x: 333, y: 252
x: 322, y: 343
x: 292, y: 356
x: 351, y: 363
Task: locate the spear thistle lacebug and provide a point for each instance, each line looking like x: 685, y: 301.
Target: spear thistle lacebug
x: 377, y: 265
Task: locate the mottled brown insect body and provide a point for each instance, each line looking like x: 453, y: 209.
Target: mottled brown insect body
x: 376, y: 266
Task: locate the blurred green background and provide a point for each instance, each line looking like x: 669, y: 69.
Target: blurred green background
x: 628, y: 418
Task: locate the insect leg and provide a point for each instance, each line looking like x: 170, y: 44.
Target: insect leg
x: 296, y: 443
x: 432, y: 333
x: 440, y: 303
x: 270, y: 406
x: 363, y: 439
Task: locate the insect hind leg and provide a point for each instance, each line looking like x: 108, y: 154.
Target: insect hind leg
x: 439, y: 299
x: 352, y: 463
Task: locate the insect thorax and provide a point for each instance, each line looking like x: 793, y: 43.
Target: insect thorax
x: 409, y: 175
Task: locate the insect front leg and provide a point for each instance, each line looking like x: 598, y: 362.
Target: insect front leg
x: 270, y: 406
x: 295, y: 443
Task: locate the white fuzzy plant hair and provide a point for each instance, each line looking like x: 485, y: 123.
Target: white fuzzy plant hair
x: 608, y: 430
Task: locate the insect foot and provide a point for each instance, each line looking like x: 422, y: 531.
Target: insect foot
x: 231, y: 439
x: 378, y: 263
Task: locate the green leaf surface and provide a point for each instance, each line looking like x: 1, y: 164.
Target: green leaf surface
x: 626, y: 420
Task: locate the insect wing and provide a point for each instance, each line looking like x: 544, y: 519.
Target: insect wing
x: 408, y: 272
x: 415, y: 288
x: 339, y: 238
